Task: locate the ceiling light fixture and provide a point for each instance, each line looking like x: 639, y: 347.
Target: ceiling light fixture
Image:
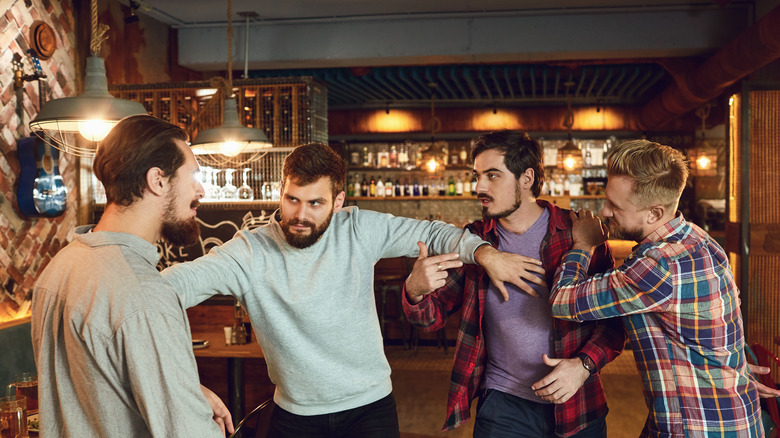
x: 91, y: 114
x: 569, y: 156
x: 231, y: 138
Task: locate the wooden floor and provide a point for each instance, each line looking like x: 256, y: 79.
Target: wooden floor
x: 421, y: 381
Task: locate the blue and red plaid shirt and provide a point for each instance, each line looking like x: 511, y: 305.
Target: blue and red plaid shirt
x: 465, y: 290
x: 680, y: 306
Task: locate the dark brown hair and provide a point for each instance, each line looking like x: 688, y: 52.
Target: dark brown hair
x: 520, y: 151
x: 308, y: 163
x: 135, y: 145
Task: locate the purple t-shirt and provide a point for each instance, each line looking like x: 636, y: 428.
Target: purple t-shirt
x: 518, y: 332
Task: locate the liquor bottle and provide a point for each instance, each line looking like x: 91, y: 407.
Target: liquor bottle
x: 398, y: 188
x: 451, y: 186
x: 454, y: 157
x: 267, y: 191
x: 403, y: 156
x: 407, y: 188
x: 459, y: 187
x: 425, y: 190
x: 354, y: 158
x: 366, y: 162
x: 372, y: 187
x: 380, y: 187
x: 464, y: 155
x: 442, y: 188
x: 415, y: 189
x: 364, y: 187
x: 357, y: 189
x: 466, y: 184
x: 351, y: 187
x: 393, y: 156
x: 389, y: 188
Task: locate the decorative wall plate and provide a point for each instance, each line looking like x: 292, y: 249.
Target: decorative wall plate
x: 43, y: 39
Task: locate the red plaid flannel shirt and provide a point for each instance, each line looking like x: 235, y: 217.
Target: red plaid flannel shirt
x: 465, y: 289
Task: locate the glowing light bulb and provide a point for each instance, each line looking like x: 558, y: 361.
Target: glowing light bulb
x: 232, y: 148
x: 95, y: 130
x: 568, y: 162
x: 431, y: 165
x: 703, y: 162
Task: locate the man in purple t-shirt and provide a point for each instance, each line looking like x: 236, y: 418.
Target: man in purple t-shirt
x: 535, y: 376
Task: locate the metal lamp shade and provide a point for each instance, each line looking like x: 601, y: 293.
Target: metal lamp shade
x: 231, y: 138
x: 69, y: 115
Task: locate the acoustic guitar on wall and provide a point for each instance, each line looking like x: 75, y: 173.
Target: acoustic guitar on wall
x: 41, y: 191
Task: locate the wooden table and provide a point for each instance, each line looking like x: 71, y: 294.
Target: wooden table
x: 235, y: 355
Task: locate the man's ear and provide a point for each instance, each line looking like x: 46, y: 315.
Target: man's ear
x: 156, y: 182
x: 339, y: 201
x: 655, y: 214
x: 527, y: 178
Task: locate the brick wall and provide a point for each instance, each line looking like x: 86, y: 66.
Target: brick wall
x: 27, y: 245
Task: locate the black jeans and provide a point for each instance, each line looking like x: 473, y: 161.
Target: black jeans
x: 504, y: 415
x: 375, y: 420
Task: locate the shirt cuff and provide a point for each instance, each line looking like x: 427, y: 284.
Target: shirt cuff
x: 577, y: 255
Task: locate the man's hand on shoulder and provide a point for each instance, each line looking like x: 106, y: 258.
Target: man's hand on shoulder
x: 429, y: 273
x: 587, y: 231
x: 513, y: 268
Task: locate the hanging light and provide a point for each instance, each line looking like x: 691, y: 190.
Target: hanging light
x: 433, y: 157
x: 569, y: 156
x: 231, y: 138
x: 704, y: 157
x: 91, y: 114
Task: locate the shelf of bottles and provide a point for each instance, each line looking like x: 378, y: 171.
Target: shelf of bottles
x: 399, y: 170
x: 585, y: 186
x: 404, y: 170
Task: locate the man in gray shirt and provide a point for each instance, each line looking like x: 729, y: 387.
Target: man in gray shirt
x: 111, y: 339
x: 306, y: 280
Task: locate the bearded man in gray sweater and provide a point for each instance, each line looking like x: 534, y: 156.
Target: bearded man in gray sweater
x: 307, y: 281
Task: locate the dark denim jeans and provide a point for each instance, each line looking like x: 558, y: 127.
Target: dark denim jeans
x: 501, y: 415
x: 374, y: 420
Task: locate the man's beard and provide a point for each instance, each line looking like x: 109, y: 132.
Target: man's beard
x: 180, y: 232
x: 616, y: 232
x: 302, y: 241
x: 501, y: 214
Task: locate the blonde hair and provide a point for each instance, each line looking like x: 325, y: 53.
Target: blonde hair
x: 659, y: 172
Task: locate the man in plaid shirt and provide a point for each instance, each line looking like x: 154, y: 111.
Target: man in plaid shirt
x: 677, y: 294
x: 536, y: 376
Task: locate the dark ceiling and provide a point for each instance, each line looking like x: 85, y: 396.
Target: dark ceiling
x: 486, y: 85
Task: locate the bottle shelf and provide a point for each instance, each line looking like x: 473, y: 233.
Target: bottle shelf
x: 459, y: 198
x: 358, y: 169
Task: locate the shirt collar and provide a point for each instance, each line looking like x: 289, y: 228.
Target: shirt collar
x: 86, y: 235
x: 666, y: 229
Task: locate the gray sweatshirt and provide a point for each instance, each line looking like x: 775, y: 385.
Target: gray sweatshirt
x: 313, y: 309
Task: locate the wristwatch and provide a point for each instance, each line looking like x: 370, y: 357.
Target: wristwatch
x: 587, y: 363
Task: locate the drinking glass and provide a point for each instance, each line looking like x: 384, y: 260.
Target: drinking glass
x: 13, y: 416
x: 25, y: 384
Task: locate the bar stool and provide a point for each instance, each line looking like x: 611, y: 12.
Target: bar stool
x: 390, y: 284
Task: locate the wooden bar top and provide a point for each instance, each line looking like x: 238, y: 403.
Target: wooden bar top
x: 217, y: 347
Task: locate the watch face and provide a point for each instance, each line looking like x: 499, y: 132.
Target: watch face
x: 588, y: 364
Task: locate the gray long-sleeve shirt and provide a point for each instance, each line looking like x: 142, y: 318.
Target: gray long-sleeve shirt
x: 313, y: 309
x: 112, y: 345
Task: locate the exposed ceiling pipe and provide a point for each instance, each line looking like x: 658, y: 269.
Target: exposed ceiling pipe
x: 756, y: 47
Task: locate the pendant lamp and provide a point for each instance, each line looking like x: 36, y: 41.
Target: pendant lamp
x: 569, y: 156
x: 231, y: 138
x: 92, y: 114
